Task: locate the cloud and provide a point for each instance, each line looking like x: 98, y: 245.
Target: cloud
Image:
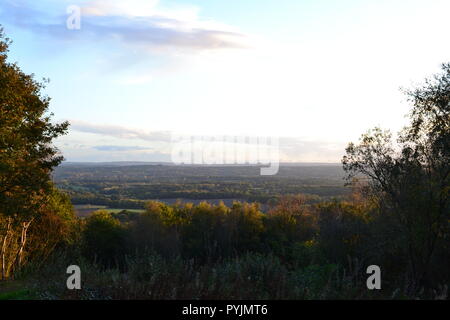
x: 120, y: 148
x: 291, y: 148
x: 132, y: 22
x: 119, y: 131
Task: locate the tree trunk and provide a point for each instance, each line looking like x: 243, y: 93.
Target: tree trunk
x: 3, y: 251
x: 23, y: 241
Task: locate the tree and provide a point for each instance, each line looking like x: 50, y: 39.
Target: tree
x: 288, y: 224
x: 411, y: 179
x: 55, y: 226
x: 104, y: 240
x: 26, y: 154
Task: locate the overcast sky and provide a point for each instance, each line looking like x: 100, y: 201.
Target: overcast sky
x: 316, y: 73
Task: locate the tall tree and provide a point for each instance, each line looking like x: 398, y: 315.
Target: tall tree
x: 27, y: 155
x: 411, y: 178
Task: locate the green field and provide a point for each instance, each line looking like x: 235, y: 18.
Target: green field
x: 85, y: 210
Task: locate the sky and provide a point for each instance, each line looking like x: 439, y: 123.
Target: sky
x: 316, y: 74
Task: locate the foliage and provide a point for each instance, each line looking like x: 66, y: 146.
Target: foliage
x: 26, y: 160
x: 411, y: 179
x: 103, y: 239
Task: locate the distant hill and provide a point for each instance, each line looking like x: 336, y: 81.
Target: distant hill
x: 141, y: 171
x: 110, y: 163
x: 141, y: 163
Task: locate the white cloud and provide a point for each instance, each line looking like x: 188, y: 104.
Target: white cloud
x: 138, y: 23
x: 139, y: 8
x: 119, y: 131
